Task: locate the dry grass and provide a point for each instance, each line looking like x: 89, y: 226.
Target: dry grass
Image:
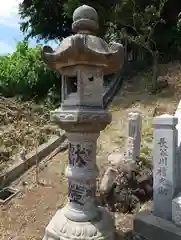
x: 24, y: 126
x: 135, y: 94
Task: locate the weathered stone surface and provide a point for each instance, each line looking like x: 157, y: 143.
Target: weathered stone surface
x: 178, y: 127
x: 85, y: 47
x: 178, y: 115
x: 108, y: 180
x: 83, y: 59
x: 133, y: 142
x: 166, y: 165
x: 155, y: 228
x: 176, y: 210
x: 61, y: 228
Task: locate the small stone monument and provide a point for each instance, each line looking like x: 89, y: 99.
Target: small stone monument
x: 165, y: 220
x: 176, y: 210
x: 165, y: 165
x: 178, y: 127
x: 178, y: 115
x: 133, y: 142
x: 82, y: 59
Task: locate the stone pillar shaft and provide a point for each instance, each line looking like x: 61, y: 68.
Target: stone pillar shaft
x: 81, y: 173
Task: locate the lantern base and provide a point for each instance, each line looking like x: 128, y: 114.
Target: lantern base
x: 61, y: 228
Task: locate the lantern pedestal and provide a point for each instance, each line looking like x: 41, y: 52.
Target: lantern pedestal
x: 62, y: 228
x: 81, y: 218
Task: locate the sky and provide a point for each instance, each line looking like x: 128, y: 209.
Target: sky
x: 10, y: 32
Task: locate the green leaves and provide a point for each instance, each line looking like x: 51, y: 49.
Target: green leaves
x: 44, y: 19
x: 139, y: 20
x: 52, y: 19
x: 24, y: 73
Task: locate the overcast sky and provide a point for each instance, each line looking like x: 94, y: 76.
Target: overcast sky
x: 10, y: 32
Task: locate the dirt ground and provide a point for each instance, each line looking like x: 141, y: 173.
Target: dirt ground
x: 26, y: 216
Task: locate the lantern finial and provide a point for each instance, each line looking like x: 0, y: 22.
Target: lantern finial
x: 85, y: 20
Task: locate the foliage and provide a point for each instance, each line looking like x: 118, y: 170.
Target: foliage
x: 24, y: 73
x: 101, y: 7
x: 136, y: 23
x: 44, y: 19
x: 139, y: 24
x: 145, y: 22
x: 52, y: 19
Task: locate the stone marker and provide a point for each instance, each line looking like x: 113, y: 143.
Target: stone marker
x: 151, y: 227
x: 166, y: 207
x: 176, y: 202
x: 176, y: 210
x: 133, y: 142
x: 165, y: 165
x: 82, y: 59
x: 108, y: 180
x: 178, y: 115
x: 178, y: 127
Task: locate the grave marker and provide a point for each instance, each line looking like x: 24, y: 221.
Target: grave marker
x: 134, y: 136
x: 178, y: 127
x: 165, y: 162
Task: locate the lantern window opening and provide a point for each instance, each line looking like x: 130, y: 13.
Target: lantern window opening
x: 71, y: 84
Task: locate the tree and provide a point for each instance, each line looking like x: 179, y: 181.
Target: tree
x: 142, y: 23
x: 137, y: 22
x: 44, y: 19
x: 23, y: 73
x: 52, y: 19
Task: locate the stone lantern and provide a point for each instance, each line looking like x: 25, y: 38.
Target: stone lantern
x: 82, y: 59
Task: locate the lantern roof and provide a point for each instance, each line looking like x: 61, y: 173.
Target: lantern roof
x: 84, y: 47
